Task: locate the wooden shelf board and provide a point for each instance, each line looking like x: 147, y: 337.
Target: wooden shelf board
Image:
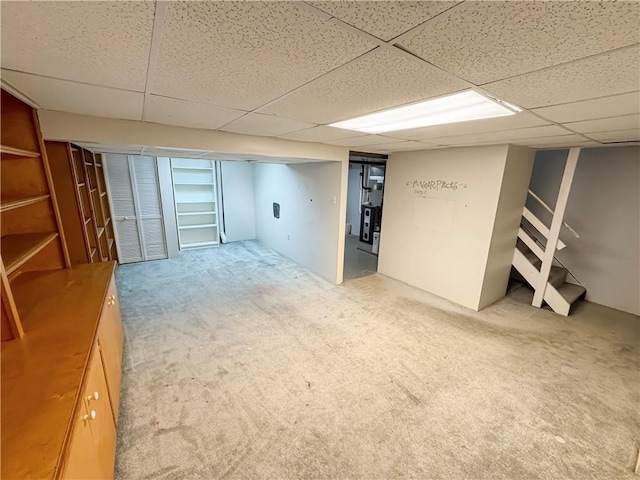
x: 186, y: 214
x: 191, y: 227
x: 86, y: 222
x: 193, y: 168
x: 93, y: 189
x: 205, y: 184
x: 106, y: 222
x: 103, y: 194
x: 81, y: 184
x: 110, y: 243
x: 198, y: 244
x: 100, y: 231
x: 18, y: 249
x: 11, y: 203
x: 17, y: 152
x: 93, y: 252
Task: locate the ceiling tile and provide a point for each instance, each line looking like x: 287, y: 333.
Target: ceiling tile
x: 385, y: 20
x: 379, y: 80
x: 320, y: 134
x: 520, y: 120
x: 400, y: 146
x: 624, y: 104
x: 487, y: 41
x: 619, y: 136
x: 581, y: 80
x: 504, y: 136
x: 362, y: 141
x: 64, y: 96
x: 102, y: 43
x: 552, y: 141
x: 187, y: 114
x: 264, y: 125
x: 625, y: 122
x: 244, y: 54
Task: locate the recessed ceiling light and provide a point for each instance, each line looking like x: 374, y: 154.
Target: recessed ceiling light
x: 460, y: 107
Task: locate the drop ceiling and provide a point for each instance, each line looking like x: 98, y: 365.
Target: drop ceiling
x: 288, y: 69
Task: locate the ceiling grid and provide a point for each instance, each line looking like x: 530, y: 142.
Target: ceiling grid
x: 288, y: 69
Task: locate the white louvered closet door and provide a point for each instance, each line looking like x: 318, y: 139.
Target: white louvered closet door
x: 134, y: 193
x: 147, y: 189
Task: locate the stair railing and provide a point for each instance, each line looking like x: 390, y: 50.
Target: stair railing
x: 553, y: 236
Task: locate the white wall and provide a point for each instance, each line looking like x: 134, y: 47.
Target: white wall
x: 353, y: 198
x: 238, y: 199
x: 604, y: 208
x: 437, y: 236
x: 513, y: 193
x: 312, y: 198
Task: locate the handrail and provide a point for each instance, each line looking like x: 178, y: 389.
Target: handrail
x: 541, y: 227
x: 548, y: 209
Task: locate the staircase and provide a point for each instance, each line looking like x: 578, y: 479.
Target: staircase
x: 534, y: 255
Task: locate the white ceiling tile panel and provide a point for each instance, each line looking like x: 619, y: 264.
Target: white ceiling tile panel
x: 503, y: 136
x: 626, y: 122
x: 625, y: 104
x: 619, y: 136
x: 376, y: 81
x: 187, y: 114
x: 520, y: 120
x: 361, y: 141
x: 320, y: 134
x: 385, y: 20
x: 64, y: 96
x: 487, y: 41
x: 572, y: 139
x: 244, y: 54
x: 581, y: 80
x: 264, y: 125
x: 400, y: 146
x: 103, y: 43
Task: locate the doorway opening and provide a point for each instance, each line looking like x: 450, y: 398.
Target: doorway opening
x: 365, y: 198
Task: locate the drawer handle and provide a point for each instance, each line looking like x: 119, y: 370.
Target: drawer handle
x: 90, y: 416
x: 94, y: 396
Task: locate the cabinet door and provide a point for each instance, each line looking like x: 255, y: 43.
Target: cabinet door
x: 110, y: 339
x: 91, y: 452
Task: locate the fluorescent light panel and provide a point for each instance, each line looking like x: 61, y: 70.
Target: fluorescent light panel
x: 460, y: 107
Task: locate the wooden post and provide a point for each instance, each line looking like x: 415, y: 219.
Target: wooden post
x: 556, y: 225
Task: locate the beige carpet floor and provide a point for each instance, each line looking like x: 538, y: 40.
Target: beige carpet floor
x: 240, y: 364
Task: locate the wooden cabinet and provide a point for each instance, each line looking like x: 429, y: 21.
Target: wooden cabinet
x: 110, y: 340
x: 92, y: 444
x: 61, y: 330
x: 67, y: 353
x: 78, y: 178
x: 32, y: 236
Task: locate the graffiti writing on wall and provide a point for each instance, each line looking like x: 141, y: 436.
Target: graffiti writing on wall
x: 422, y: 187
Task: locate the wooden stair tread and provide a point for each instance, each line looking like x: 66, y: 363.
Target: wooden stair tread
x: 571, y: 292
x: 11, y: 203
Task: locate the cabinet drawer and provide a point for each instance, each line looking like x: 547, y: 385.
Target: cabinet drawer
x: 111, y: 339
x: 91, y: 451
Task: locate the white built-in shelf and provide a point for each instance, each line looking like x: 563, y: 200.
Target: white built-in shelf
x: 193, y: 183
x: 198, y: 244
x: 187, y: 214
x: 190, y: 227
x: 194, y: 191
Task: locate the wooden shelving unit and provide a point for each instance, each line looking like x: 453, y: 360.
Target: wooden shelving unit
x: 78, y: 177
x: 32, y: 236
x: 194, y: 191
